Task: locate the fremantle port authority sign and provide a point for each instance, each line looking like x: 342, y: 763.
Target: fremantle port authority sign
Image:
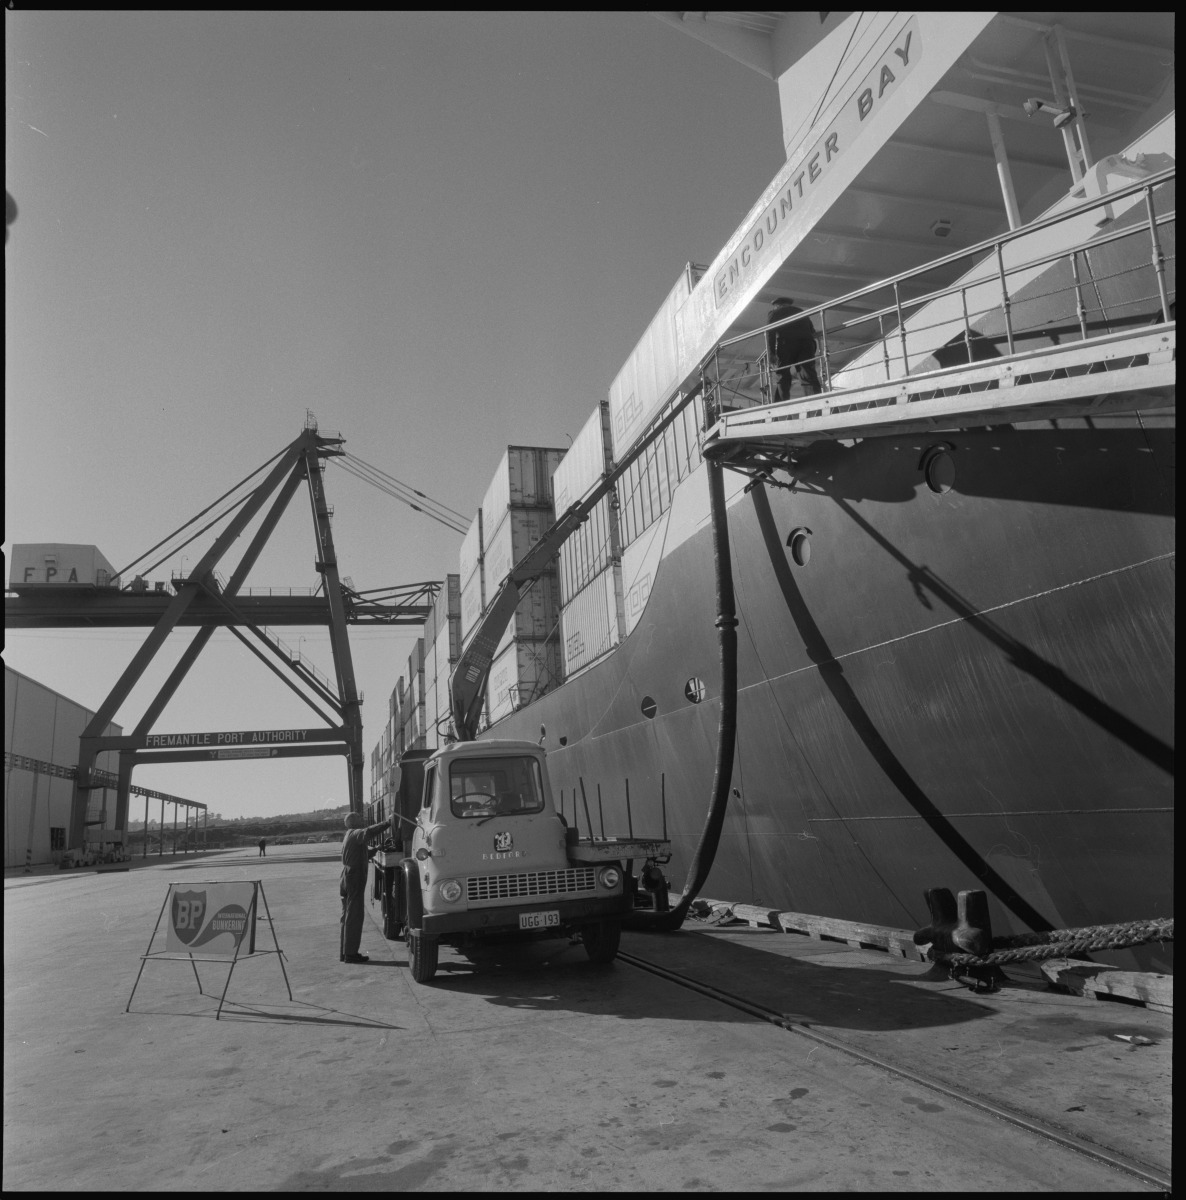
x: 242, y: 739
x: 239, y: 743
x: 211, y: 920
x: 804, y: 178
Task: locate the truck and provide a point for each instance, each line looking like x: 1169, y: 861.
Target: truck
x: 487, y: 856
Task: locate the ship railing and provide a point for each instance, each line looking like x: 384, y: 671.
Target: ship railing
x: 1001, y: 297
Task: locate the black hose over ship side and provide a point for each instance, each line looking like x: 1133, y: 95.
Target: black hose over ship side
x: 648, y: 920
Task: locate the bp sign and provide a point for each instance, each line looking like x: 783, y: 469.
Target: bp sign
x: 211, y: 920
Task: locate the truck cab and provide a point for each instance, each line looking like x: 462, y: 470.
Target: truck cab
x: 488, y: 856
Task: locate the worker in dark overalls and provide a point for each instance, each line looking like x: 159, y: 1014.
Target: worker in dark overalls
x: 353, y: 882
x: 791, y: 349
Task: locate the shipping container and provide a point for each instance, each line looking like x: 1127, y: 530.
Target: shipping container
x: 640, y: 563
x: 651, y: 372
x: 432, y: 738
x: 522, y: 673
x: 537, y: 616
x: 588, y: 459
x: 448, y: 599
x: 471, y: 547
x: 521, y: 528
x: 589, y: 550
x: 429, y: 633
x: 523, y: 480
x: 56, y: 564
x: 592, y: 622
x: 473, y: 600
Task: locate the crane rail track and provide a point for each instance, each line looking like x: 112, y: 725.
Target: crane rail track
x: 1143, y: 1171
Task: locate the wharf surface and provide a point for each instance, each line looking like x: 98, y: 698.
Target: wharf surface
x: 528, y: 1067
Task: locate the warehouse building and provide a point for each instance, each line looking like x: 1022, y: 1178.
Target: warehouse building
x: 41, y: 732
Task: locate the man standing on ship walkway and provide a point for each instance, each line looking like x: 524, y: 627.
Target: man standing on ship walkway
x: 792, y: 348
x: 353, y: 882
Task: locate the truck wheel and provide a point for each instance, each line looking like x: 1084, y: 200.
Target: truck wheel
x: 391, y: 925
x: 601, y: 940
x: 422, y: 952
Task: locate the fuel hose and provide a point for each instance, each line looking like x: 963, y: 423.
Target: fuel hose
x: 648, y: 920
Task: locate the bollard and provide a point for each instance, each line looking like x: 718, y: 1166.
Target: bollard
x: 961, y: 927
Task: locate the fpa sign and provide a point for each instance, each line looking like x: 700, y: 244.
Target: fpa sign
x: 211, y: 920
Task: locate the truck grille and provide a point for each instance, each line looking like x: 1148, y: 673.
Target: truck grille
x: 531, y: 883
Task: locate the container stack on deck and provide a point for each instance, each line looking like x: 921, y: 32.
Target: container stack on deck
x: 591, y: 615
x: 516, y: 510
x: 441, y: 650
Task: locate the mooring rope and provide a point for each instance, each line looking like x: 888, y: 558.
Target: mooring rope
x: 1061, y: 943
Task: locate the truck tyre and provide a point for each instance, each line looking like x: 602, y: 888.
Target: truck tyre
x: 393, y: 925
x: 413, y: 901
x: 422, y: 953
x: 601, y: 940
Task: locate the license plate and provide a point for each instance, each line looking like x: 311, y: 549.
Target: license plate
x: 539, y: 920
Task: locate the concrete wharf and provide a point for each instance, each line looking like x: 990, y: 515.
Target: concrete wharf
x: 527, y: 1067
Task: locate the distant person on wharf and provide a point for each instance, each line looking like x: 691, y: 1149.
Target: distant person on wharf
x: 263, y: 847
x: 353, y: 883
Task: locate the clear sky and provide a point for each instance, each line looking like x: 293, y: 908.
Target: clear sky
x: 441, y: 233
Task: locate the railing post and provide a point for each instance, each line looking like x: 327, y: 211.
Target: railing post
x: 1005, y: 297
x: 825, y: 374
x: 1158, y: 255
x: 967, y: 323
x: 901, y: 329
x: 884, y: 346
x: 1080, y: 306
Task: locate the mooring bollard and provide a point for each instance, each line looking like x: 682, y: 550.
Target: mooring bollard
x: 961, y: 927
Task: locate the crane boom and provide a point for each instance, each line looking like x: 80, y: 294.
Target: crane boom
x: 467, y: 685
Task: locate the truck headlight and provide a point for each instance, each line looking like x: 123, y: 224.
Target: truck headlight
x: 609, y: 877
x: 450, y: 891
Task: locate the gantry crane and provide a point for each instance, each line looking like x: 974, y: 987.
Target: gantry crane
x: 204, y: 599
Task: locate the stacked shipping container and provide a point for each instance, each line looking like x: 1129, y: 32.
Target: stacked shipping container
x: 574, y: 614
x: 515, y: 512
x: 441, y: 652
x: 417, y: 706
x: 590, y: 560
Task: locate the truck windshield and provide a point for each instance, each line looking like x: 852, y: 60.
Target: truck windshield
x: 490, y: 787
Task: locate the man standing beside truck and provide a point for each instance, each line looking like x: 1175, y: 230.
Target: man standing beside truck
x: 353, y: 882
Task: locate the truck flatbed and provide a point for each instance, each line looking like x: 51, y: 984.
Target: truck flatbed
x: 618, y: 849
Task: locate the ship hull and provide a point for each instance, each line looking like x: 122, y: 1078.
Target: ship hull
x: 964, y: 689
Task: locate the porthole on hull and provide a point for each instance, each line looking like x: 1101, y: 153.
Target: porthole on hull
x: 649, y: 707
x: 694, y: 690
x: 799, y: 544
x: 938, y: 469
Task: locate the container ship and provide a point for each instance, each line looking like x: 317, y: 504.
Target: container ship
x: 949, y: 499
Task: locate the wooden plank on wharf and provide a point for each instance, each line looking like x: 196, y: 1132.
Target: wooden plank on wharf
x: 1100, y: 980
x: 756, y: 916
x: 855, y: 933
